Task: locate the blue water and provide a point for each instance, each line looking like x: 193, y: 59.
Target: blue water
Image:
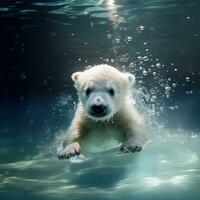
x: 43, y: 42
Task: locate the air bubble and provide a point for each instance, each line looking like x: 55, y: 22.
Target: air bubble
x: 187, y: 78
x: 22, y: 76
x: 158, y: 65
x: 167, y: 88
x: 131, y: 65
x: 129, y: 38
x: 145, y: 58
x: 176, y: 106
x: 117, y: 40
x: 189, y: 92
x: 123, y: 67
x: 141, y: 62
x: 167, y: 91
x: 174, y: 85
x: 112, y: 60
x: 140, y: 81
x: 140, y: 28
x: 144, y: 72
x: 153, y: 98
x: 171, y: 108
x: 109, y: 36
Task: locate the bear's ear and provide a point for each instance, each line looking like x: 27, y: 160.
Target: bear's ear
x: 130, y: 78
x: 76, y: 76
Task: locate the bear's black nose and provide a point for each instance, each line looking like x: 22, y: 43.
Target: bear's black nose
x: 99, y: 109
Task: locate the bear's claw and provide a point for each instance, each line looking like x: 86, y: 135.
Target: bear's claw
x: 70, y: 150
x: 127, y: 148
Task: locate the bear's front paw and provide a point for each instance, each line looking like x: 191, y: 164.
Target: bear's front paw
x: 128, y: 147
x: 70, y: 151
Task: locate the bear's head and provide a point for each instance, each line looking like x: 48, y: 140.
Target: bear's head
x: 102, y: 89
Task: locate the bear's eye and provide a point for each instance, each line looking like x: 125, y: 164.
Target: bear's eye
x: 111, y: 91
x: 88, y: 91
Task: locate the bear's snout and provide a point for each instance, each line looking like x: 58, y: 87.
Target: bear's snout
x: 99, y: 109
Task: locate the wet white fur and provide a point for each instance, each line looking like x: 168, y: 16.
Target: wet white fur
x: 123, y: 116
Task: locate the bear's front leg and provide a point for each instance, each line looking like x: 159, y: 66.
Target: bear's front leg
x: 71, y: 146
x: 132, y: 128
x: 70, y: 150
x: 134, y: 140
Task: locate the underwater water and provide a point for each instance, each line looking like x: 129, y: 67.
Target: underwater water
x: 43, y: 42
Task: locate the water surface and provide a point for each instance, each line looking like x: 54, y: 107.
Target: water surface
x: 43, y: 42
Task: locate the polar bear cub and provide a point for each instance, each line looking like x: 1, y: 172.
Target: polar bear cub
x: 105, y: 103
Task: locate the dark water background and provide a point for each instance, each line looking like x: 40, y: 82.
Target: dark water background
x: 43, y: 42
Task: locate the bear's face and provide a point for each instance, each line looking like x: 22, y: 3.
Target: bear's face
x: 102, y: 90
